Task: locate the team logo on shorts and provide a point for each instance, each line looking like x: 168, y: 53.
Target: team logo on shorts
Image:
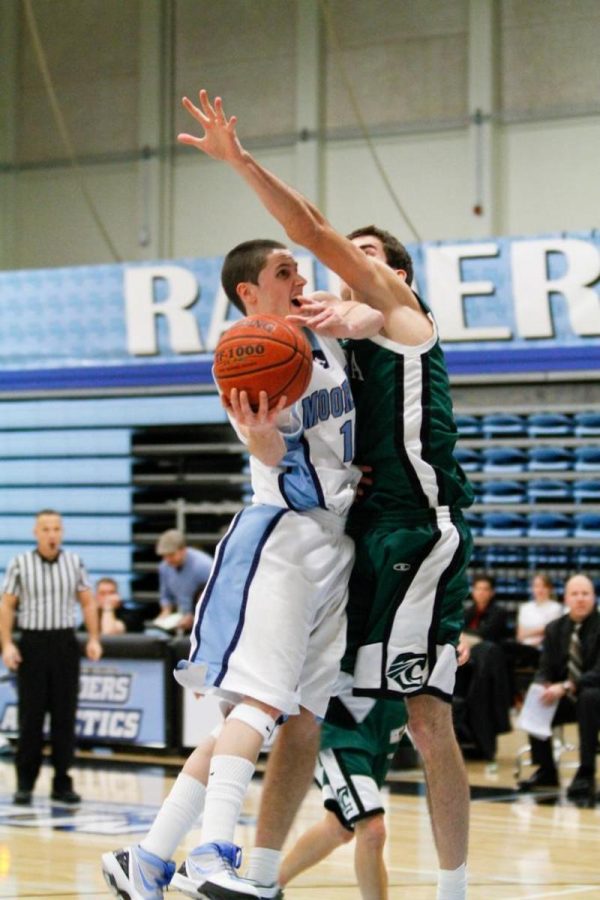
x: 407, y: 670
x: 345, y: 801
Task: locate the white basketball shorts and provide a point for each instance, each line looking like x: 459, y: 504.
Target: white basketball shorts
x: 271, y: 622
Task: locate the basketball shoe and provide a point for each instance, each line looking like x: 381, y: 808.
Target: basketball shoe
x: 209, y: 873
x: 135, y: 874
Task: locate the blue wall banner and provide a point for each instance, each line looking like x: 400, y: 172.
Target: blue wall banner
x: 121, y: 701
x: 502, y: 305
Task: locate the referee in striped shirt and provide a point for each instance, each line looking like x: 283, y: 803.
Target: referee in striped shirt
x: 41, y: 588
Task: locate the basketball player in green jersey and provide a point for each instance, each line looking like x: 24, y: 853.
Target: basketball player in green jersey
x: 413, y: 545
x: 358, y: 745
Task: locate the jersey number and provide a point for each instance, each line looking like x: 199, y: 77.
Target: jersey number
x: 347, y: 433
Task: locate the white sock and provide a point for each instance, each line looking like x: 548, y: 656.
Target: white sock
x: 452, y: 883
x: 263, y: 866
x: 176, y: 816
x: 227, y: 785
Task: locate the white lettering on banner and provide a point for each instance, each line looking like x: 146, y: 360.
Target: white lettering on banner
x: 104, y: 688
x: 219, y: 321
x: 10, y: 719
x: 122, y: 724
x: 532, y: 286
x: 141, y: 310
x: 446, y: 291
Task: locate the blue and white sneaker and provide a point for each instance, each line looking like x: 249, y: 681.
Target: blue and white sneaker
x: 134, y: 874
x: 268, y: 891
x: 209, y: 873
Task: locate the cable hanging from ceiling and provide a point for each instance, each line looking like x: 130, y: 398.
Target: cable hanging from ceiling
x: 337, y: 48
x: 63, y: 130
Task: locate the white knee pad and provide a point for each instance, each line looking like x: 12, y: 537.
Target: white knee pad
x: 260, y: 721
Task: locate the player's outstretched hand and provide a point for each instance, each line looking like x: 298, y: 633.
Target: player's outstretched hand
x: 331, y: 317
x: 261, y: 420
x: 219, y: 139
x: 322, y: 312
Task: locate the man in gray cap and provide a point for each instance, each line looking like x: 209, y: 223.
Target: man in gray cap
x: 183, y: 573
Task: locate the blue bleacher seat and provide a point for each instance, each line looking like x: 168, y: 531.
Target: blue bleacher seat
x: 475, y: 523
x: 550, y: 557
x: 586, y: 557
x: 545, y: 490
x: 505, y: 555
x: 549, y: 425
x: 504, y: 459
x: 587, y: 459
x: 549, y: 525
x: 551, y: 459
x: 503, y: 492
x: 503, y: 425
x: 504, y: 525
x: 587, y: 526
x: 468, y: 426
x: 587, y: 424
x: 587, y: 491
x: 511, y: 590
x: 477, y: 557
x: 469, y: 460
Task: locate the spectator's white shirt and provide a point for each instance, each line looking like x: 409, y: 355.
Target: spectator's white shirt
x: 538, y: 615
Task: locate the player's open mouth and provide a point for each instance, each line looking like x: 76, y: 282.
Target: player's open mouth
x: 296, y: 301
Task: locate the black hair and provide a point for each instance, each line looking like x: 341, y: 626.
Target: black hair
x: 396, y: 254
x: 245, y: 263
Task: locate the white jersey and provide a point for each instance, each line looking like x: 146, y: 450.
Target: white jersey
x: 317, y: 470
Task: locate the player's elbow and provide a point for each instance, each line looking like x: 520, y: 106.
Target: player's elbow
x: 305, y: 230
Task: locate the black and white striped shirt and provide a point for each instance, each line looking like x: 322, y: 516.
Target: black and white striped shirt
x: 47, y: 590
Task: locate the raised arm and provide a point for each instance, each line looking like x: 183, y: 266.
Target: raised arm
x: 328, y: 315
x: 371, y: 279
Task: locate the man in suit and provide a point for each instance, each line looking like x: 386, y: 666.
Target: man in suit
x: 569, y: 669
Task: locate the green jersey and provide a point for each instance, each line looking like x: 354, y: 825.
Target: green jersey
x: 405, y: 427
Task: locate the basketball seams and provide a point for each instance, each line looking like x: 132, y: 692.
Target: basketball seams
x: 241, y: 373
x: 242, y: 367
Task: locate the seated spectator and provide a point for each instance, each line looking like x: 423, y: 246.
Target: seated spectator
x: 535, y: 614
x: 569, y: 669
x: 183, y: 574
x: 482, y: 696
x: 110, y: 607
x: 484, y: 619
x: 523, y: 654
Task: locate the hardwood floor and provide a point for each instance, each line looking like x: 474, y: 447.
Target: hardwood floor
x: 521, y: 846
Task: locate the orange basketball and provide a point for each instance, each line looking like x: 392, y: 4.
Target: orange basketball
x: 264, y: 353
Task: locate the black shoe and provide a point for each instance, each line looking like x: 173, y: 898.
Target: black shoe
x: 582, y: 786
x: 67, y: 796
x: 541, y: 780
x: 22, y: 797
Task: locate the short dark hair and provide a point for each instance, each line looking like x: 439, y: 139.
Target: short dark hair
x: 483, y: 576
x: 47, y: 512
x: 396, y: 254
x: 245, y: 263
x: 106, y: 579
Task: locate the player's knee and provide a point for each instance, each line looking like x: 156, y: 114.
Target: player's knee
x: 304, y: 729
x: 261, y: 720
x: 371, y: 833
x: 344, y: 835
x: 430, y: 723
x: 341, y: 834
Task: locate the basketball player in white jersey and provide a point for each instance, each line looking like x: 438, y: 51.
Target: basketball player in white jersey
x: 413, y: 507
x: 269, y: 630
